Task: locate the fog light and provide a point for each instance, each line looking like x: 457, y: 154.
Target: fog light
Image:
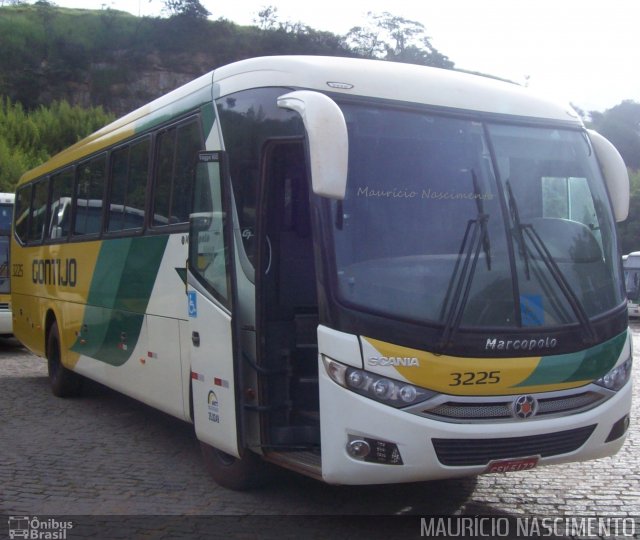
x: 619, y: 428
x: 374, y: 450
x: 358, y: 449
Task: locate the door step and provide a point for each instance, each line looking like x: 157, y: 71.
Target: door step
x: 304, y: 462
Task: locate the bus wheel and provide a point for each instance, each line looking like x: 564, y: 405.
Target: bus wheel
x: 233, y: 473
x: 64, y: 382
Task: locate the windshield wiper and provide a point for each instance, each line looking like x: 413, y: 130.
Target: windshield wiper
x: 545, y: 256
x: 460, y: 283
x: 483, y: 218
x: 475, y: 236
x: 515, y: 218
x: 562, y: 282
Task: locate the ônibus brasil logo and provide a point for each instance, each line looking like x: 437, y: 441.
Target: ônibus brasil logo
x: 38, y: 528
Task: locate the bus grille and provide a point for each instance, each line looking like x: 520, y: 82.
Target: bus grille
x: 4, y: 306
x: 476, y: 411
x: 468, y: 452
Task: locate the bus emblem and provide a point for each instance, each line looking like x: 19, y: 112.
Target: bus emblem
x: 403, y: 361
x: 525, y: 407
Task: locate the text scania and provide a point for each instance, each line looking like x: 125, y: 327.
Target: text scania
x: 496, y: 344
x: 404, y: 361
x: 60, y: 272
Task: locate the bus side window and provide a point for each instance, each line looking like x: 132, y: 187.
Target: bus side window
x: 189, y: 144
x: 177, y: 148
x: 208, y: 253
x: 38, y: 211
x: 60, y: 206
x: 164, y: 172
x: 118, y: 186
x: 21, y: 213
x: 137, y: 184
x: 89, y: 192
x: 129, y: 171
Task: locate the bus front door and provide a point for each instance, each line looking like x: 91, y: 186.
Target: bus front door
x: 210, y: 294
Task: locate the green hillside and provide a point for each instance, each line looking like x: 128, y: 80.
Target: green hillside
x: 66, y: 72
x: 119, y: 61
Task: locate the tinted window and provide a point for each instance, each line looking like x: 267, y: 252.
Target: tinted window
x: 89, y: 191
x: 23, y: 201
x: 4, y: 265
x: 208, y: 253
x: 60, y: 207
x: 129, y: 169
x: 6, y: 213
x: 248, y: 120
x: 177, y: 149
x: 38, y: 211
x: 421, y: 234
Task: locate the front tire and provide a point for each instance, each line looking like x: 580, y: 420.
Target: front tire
x: 239, y: 474
x: 64, y: 382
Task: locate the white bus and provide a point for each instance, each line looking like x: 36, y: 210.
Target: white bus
x: 631, y: 265
x: 6, y: 214
x: 394, y: 273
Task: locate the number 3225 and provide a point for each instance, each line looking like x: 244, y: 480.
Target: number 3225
x: 468, y: 378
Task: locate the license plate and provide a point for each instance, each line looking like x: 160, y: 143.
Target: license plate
x: 512, y: 465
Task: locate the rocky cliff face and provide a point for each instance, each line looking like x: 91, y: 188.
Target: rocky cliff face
x: 120, y: 88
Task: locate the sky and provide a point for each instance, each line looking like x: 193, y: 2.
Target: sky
x: 586, y: 52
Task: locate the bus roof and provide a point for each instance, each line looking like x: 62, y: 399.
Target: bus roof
x: 392, y: 81
x: 349, y: 76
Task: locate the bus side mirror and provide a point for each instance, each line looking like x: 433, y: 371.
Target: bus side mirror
x: 615, y: 173
x: 327, y: 138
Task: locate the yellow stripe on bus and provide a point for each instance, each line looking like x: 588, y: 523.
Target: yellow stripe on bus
x: 466, y: 376
x: 56, y: 277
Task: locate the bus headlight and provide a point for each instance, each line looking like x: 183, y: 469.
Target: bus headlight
x: 383, y: 389
x: 617, y: 377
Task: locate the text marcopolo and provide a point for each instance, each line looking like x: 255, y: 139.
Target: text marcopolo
x: 495, y: 344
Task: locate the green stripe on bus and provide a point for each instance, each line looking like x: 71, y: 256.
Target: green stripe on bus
x: 124, y: 276
x: 587, y: 365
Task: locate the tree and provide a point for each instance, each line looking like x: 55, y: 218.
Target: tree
x: 621, y: 125
x: 28, y: 138
x: 366, y: 41
x: 629, y: 230
x: 267, y: 18
x: 390, y: 37
x: 187, y: 8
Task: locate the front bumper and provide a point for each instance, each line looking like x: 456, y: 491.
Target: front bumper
x: 346, y: 416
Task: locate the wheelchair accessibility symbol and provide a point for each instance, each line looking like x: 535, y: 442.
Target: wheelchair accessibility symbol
x: 193, y: 304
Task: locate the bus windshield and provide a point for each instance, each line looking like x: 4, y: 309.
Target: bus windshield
x: 6, y: 214
x: 5, y: 287
x: 459, y: 222
x: 631, y: 265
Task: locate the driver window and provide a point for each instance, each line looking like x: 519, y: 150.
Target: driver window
x: 208, y: 253
x: 570, y: 198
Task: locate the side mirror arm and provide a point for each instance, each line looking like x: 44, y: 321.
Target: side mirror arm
x: 327, y: 139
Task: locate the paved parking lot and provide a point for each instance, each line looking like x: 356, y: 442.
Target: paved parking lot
x: 105, y: 455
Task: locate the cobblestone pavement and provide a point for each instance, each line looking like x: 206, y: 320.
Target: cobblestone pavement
x: 106, y: 455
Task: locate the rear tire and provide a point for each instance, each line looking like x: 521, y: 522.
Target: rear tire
x: 239, y: 474
x: 64, y: 382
